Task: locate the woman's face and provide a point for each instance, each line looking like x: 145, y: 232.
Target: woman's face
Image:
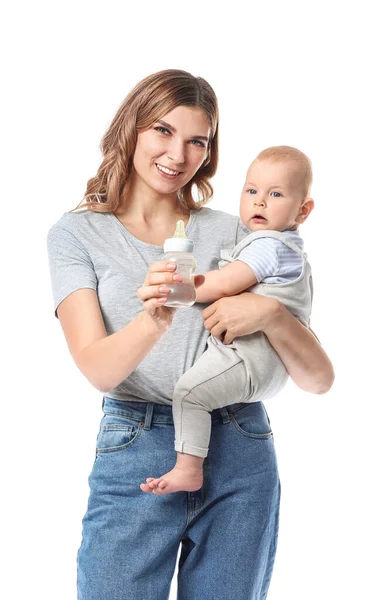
x: 168, y: 154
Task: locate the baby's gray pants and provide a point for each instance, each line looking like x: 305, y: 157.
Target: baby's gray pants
x: 248, y: 370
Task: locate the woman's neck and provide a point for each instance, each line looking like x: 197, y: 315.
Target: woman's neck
x: 149, y: 216
x: 144, y: 206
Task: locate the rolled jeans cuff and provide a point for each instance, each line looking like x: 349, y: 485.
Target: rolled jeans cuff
x: 187, y: 449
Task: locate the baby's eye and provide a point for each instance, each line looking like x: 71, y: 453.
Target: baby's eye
x: 251, y: 191
x: 276, y: 194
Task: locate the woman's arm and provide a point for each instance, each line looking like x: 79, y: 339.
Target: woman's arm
x: 106, y: 360
x: 303, y: 356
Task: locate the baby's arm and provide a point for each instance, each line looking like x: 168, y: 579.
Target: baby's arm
x: 228, y: 281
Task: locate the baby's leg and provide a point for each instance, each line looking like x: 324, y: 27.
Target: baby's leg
x: 187, y: 474
x: 218, y: 378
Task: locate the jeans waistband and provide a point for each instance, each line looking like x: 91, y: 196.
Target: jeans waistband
x: 150, y: 412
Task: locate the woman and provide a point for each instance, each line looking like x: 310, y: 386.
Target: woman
x: 110, y: 284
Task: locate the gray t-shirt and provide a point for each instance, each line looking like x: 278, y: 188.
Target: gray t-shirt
x: 94, y: 250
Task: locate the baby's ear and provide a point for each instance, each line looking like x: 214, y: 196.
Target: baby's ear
x: 306, y: 208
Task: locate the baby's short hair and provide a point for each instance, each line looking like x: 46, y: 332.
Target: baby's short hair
x: 283, y: 153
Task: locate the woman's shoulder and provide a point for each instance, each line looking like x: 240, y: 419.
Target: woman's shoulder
x: 227, y: 229
x: 214, y: 215
x: 212, y: 221
x: 78, y: 223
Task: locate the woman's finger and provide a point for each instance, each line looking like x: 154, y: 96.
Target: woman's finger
x: 227, y: 338
x: 210, y: 316
x: 209, y: 311
x: 213, y: 322
x: 152, y: 291
x: 210, y: 323
x: 162, y: 265
x: 158, y: 278
x: 215, y: 327
x: 218, y: 331
x: 150, y: 306
x: 163, y: 268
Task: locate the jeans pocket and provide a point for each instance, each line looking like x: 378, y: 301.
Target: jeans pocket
x: 116, y: 433
x: 252, y: 421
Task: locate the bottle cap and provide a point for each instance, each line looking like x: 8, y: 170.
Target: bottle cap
x: 179, y: 242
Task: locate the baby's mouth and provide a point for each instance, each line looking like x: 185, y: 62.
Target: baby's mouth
x: 259, y: 219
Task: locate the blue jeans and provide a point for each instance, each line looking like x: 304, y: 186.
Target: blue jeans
x: 227, y: 530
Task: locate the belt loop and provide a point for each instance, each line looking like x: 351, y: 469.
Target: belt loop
x: 224, y: 413
x: 148, y: 416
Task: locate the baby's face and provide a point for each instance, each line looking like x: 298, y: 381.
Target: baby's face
x: 273, y: 196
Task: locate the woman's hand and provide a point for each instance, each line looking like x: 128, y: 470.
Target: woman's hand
x: 297, y: 346
x: 239, y: 315
x: 154, y: 292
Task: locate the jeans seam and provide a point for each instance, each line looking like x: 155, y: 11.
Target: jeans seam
x: 257, y: 436
x: 124, y: 446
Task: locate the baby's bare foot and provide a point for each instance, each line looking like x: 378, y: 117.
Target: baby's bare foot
x: 148, y: 486
x: 176, y: 480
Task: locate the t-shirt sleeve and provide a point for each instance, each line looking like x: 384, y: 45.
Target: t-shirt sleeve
x: 71, y: 267
x: 262, y: 256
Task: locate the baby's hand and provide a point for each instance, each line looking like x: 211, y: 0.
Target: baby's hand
x: 199, y: 280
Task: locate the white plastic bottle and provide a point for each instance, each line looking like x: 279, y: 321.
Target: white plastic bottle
x: 179, y: 249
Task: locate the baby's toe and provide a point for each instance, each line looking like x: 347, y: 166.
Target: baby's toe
x: 145, y: 487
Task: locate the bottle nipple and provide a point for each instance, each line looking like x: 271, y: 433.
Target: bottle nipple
x: 179, y: 242
x: 180, y: 231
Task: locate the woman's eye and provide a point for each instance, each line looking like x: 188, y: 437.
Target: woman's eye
x: 251, y: 191
x: 198, y: 143
x: 276, y: 194
x: 162, y: 129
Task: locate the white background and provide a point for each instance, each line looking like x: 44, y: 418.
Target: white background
x: 305, y: 74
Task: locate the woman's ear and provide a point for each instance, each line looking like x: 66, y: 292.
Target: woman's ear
x: 306, y: 208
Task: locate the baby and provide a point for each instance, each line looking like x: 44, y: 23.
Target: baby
x: 270, y: 261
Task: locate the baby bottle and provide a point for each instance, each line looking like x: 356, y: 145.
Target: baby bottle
x: 179, y: 249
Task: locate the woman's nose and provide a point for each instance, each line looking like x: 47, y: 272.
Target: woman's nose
x: 176, y: 153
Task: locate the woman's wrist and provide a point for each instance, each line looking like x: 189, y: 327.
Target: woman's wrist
x: 274, y: 317
x: 152, y: 326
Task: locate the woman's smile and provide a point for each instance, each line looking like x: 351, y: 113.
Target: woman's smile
x: 167, y: 173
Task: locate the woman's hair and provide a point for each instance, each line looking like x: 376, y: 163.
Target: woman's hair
x: 283, y: 153
x: 150, y: 100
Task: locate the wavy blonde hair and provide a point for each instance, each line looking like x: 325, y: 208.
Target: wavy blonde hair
x: 149, y: 101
